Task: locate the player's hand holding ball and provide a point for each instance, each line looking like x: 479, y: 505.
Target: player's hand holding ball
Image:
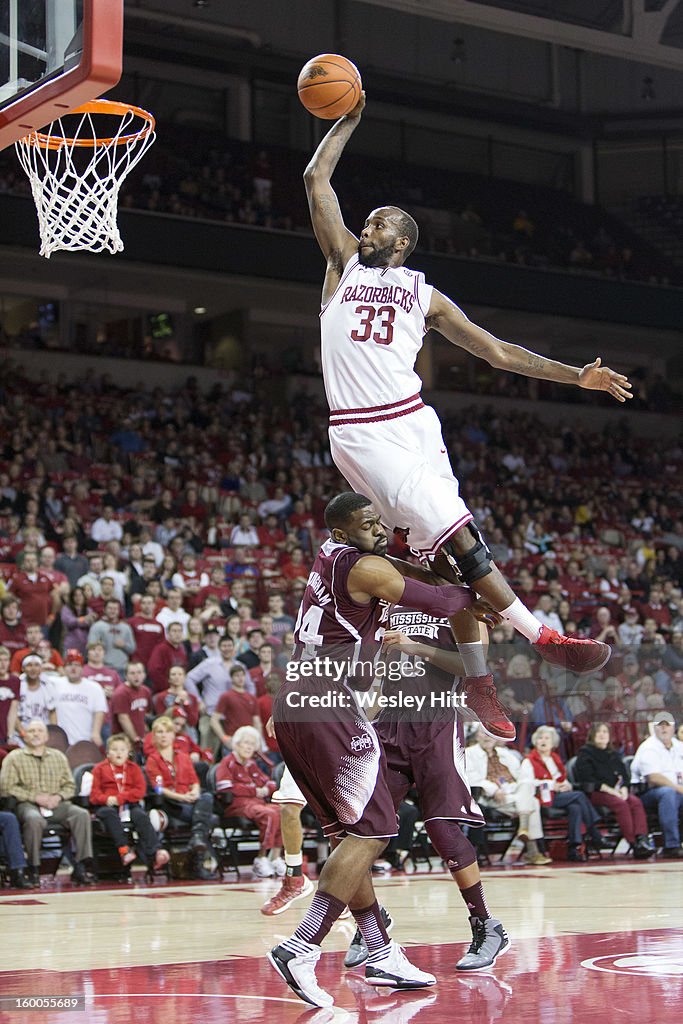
x: 329, y: 87
x: 359, y: 107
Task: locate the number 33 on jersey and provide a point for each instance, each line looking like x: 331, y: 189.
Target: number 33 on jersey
x: 372, y: 329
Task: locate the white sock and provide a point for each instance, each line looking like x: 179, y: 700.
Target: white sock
x: 294, y: 860
x: 473, y: 659
x: 523, y: 621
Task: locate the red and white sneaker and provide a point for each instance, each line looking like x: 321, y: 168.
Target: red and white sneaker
x: 579, y: 656
x: 481, y: 702
x: 293, y: 887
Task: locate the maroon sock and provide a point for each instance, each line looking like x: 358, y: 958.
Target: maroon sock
x: 322, y: 913
x: 370, y: 922
x: 476, y: 901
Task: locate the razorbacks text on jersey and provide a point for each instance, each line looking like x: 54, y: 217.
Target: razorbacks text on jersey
x: 372, y: 329
x: 330, y: 623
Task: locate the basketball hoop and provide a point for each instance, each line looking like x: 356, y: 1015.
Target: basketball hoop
x: 76, y: 176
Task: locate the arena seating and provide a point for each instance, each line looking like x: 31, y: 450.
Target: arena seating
x: 566, y: 508
x: 563, y: 232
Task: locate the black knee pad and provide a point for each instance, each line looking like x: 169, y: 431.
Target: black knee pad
x: 475, y: 563
x: 451, y: 844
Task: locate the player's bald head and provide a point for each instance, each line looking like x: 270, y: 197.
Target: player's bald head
x: 404, y: 225
x: 339, y: 511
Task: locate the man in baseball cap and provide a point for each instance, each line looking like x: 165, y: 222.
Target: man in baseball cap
x: 80, y: 703
x: 659, y: 760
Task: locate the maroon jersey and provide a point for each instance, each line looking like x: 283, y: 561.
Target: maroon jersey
x: 330, y: 623
x: 12, y: 637
x: 236, y: 709
x: 426, y: 629
x: 136, y: 703
x: 108, y: 678
x: 34, y: 593
x: 148, y: 633
x: 424, y: 747
x: 161, y: 660
x: 340, y: 769
x: 55, y: 577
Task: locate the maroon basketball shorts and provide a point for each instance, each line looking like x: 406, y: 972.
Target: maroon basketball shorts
x: 338, y: 763
x: 431, y: 757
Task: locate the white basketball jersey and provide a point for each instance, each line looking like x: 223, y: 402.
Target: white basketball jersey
x: 371, y: 332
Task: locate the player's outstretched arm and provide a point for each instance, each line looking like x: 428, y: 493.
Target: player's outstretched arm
x: 374, y: 576
x: 444, y: 316
x: 336, y: 241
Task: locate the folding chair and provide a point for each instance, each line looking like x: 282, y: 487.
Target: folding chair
x: 83, y: 752
x: 235, y: 830
x: 57, y: 738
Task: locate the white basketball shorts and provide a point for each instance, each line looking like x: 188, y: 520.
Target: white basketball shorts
x: 402, y: 465
x: 289, y: 792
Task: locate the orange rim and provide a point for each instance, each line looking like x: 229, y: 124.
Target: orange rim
x: 98, y: 107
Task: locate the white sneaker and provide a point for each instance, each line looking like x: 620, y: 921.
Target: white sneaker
x: 395, y: 970
x: 279, y: 867
x: 262, y: 868
x: 298, y: 970
x: 158, y: 819
x: 381, y: 865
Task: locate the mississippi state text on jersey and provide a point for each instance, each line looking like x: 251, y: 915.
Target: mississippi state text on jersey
x: 435, y: 632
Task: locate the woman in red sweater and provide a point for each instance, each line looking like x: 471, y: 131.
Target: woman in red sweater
x: 239, y: 774
x: 118, y: 786
x: 172, y: 776
x: 553, y: 787
x: 201, y: 758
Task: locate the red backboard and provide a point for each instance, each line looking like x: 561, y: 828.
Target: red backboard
x: 55, y: 55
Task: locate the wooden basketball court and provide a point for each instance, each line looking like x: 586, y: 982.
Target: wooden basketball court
x: 598, y: 939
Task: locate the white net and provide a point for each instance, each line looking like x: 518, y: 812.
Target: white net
x: 75, y: 176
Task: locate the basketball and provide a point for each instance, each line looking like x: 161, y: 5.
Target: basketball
x: 329, y: 86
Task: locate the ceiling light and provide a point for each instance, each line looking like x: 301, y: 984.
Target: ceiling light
x: 199, y: 310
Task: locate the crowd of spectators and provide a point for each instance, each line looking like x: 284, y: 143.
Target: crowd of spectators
x: 242, y: 183
x: 154, y: 548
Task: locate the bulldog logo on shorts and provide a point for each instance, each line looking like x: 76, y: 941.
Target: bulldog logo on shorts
x: 360, y: 743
